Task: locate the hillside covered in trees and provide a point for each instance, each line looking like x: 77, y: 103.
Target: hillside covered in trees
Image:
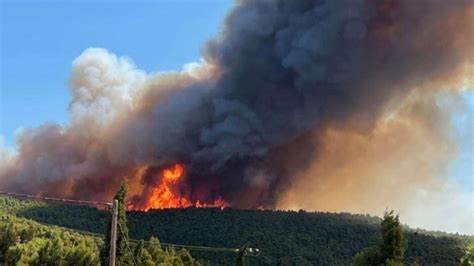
x: 284, y: 237
x: 27, y: 242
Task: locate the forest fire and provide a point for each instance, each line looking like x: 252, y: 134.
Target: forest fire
x: 168, y: 195
x: 323, y: 106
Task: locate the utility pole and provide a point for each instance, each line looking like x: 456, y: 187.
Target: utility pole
x: 242, y: 253
x: 113, y: 233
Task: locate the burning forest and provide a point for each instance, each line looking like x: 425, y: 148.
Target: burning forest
x: 170, y: 191
x: 325, y: 105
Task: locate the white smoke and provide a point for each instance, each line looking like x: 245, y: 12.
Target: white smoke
x: 102, y: 85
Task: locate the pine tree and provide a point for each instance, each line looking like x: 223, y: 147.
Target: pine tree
x: 44, y: 254
x: 391, y: 249
x: 56, y: 251
x: 7, y: 238
x: 393, y: 244
x: 123, y: 252
x: 186, y: 257
x: 142, y: 257
x: 155, y: 250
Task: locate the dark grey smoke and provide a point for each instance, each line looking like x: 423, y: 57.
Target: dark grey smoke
x: 279, y: 73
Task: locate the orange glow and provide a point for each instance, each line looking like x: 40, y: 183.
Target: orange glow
x: 174, y: 174
x: 165, y: 196
x: 218, y: 203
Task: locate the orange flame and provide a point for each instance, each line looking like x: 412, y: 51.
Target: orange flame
x: 164, y: 196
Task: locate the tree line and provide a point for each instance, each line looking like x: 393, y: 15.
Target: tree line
x: 284, y: 237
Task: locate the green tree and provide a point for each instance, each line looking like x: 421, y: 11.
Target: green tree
x: 393, y: 244
x: 43, y: 254
x: 81, y: 255
x: 8, y: 238
x: 468, y: 258
x: 390, y: 249
x: 57, y: 251
x: 368, y: 256
x: 123, y: 251
x: 142, y: 257
x: 123, y: 246
x: 13, y: 256
x: 155, y: 250
x: 186, y: 257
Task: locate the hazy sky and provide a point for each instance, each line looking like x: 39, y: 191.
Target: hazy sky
x: 40, y: 39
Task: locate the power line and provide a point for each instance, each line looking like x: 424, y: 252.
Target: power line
x: 69, y: 229
x: 55, y: 199
x: 128, y: 247
x: 190, y: 247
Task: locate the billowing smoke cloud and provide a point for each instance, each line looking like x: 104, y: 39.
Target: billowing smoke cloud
x: 6, y: 157
x: 402, y: 164
x: 288, y: 88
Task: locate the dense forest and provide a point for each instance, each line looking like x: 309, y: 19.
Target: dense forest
x: 283, y: 237
x: 27, y: 242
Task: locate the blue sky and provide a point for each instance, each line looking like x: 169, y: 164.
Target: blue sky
x: 462, y: 168
x: 39, y: 39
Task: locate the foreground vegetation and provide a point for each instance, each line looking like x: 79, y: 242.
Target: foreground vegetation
x: 283, y: 237
x: 26, y: 242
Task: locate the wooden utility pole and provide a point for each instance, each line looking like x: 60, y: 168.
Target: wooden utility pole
x: 242, y: 253
x: 113, y: 233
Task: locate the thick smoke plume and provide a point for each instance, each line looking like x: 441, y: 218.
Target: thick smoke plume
x: 285, y: 100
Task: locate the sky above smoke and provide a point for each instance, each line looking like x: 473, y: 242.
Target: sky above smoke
x: 323, y: 105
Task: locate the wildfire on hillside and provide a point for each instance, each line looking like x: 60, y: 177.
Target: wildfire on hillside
x: 298, y: 104
x: 170, y: 193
